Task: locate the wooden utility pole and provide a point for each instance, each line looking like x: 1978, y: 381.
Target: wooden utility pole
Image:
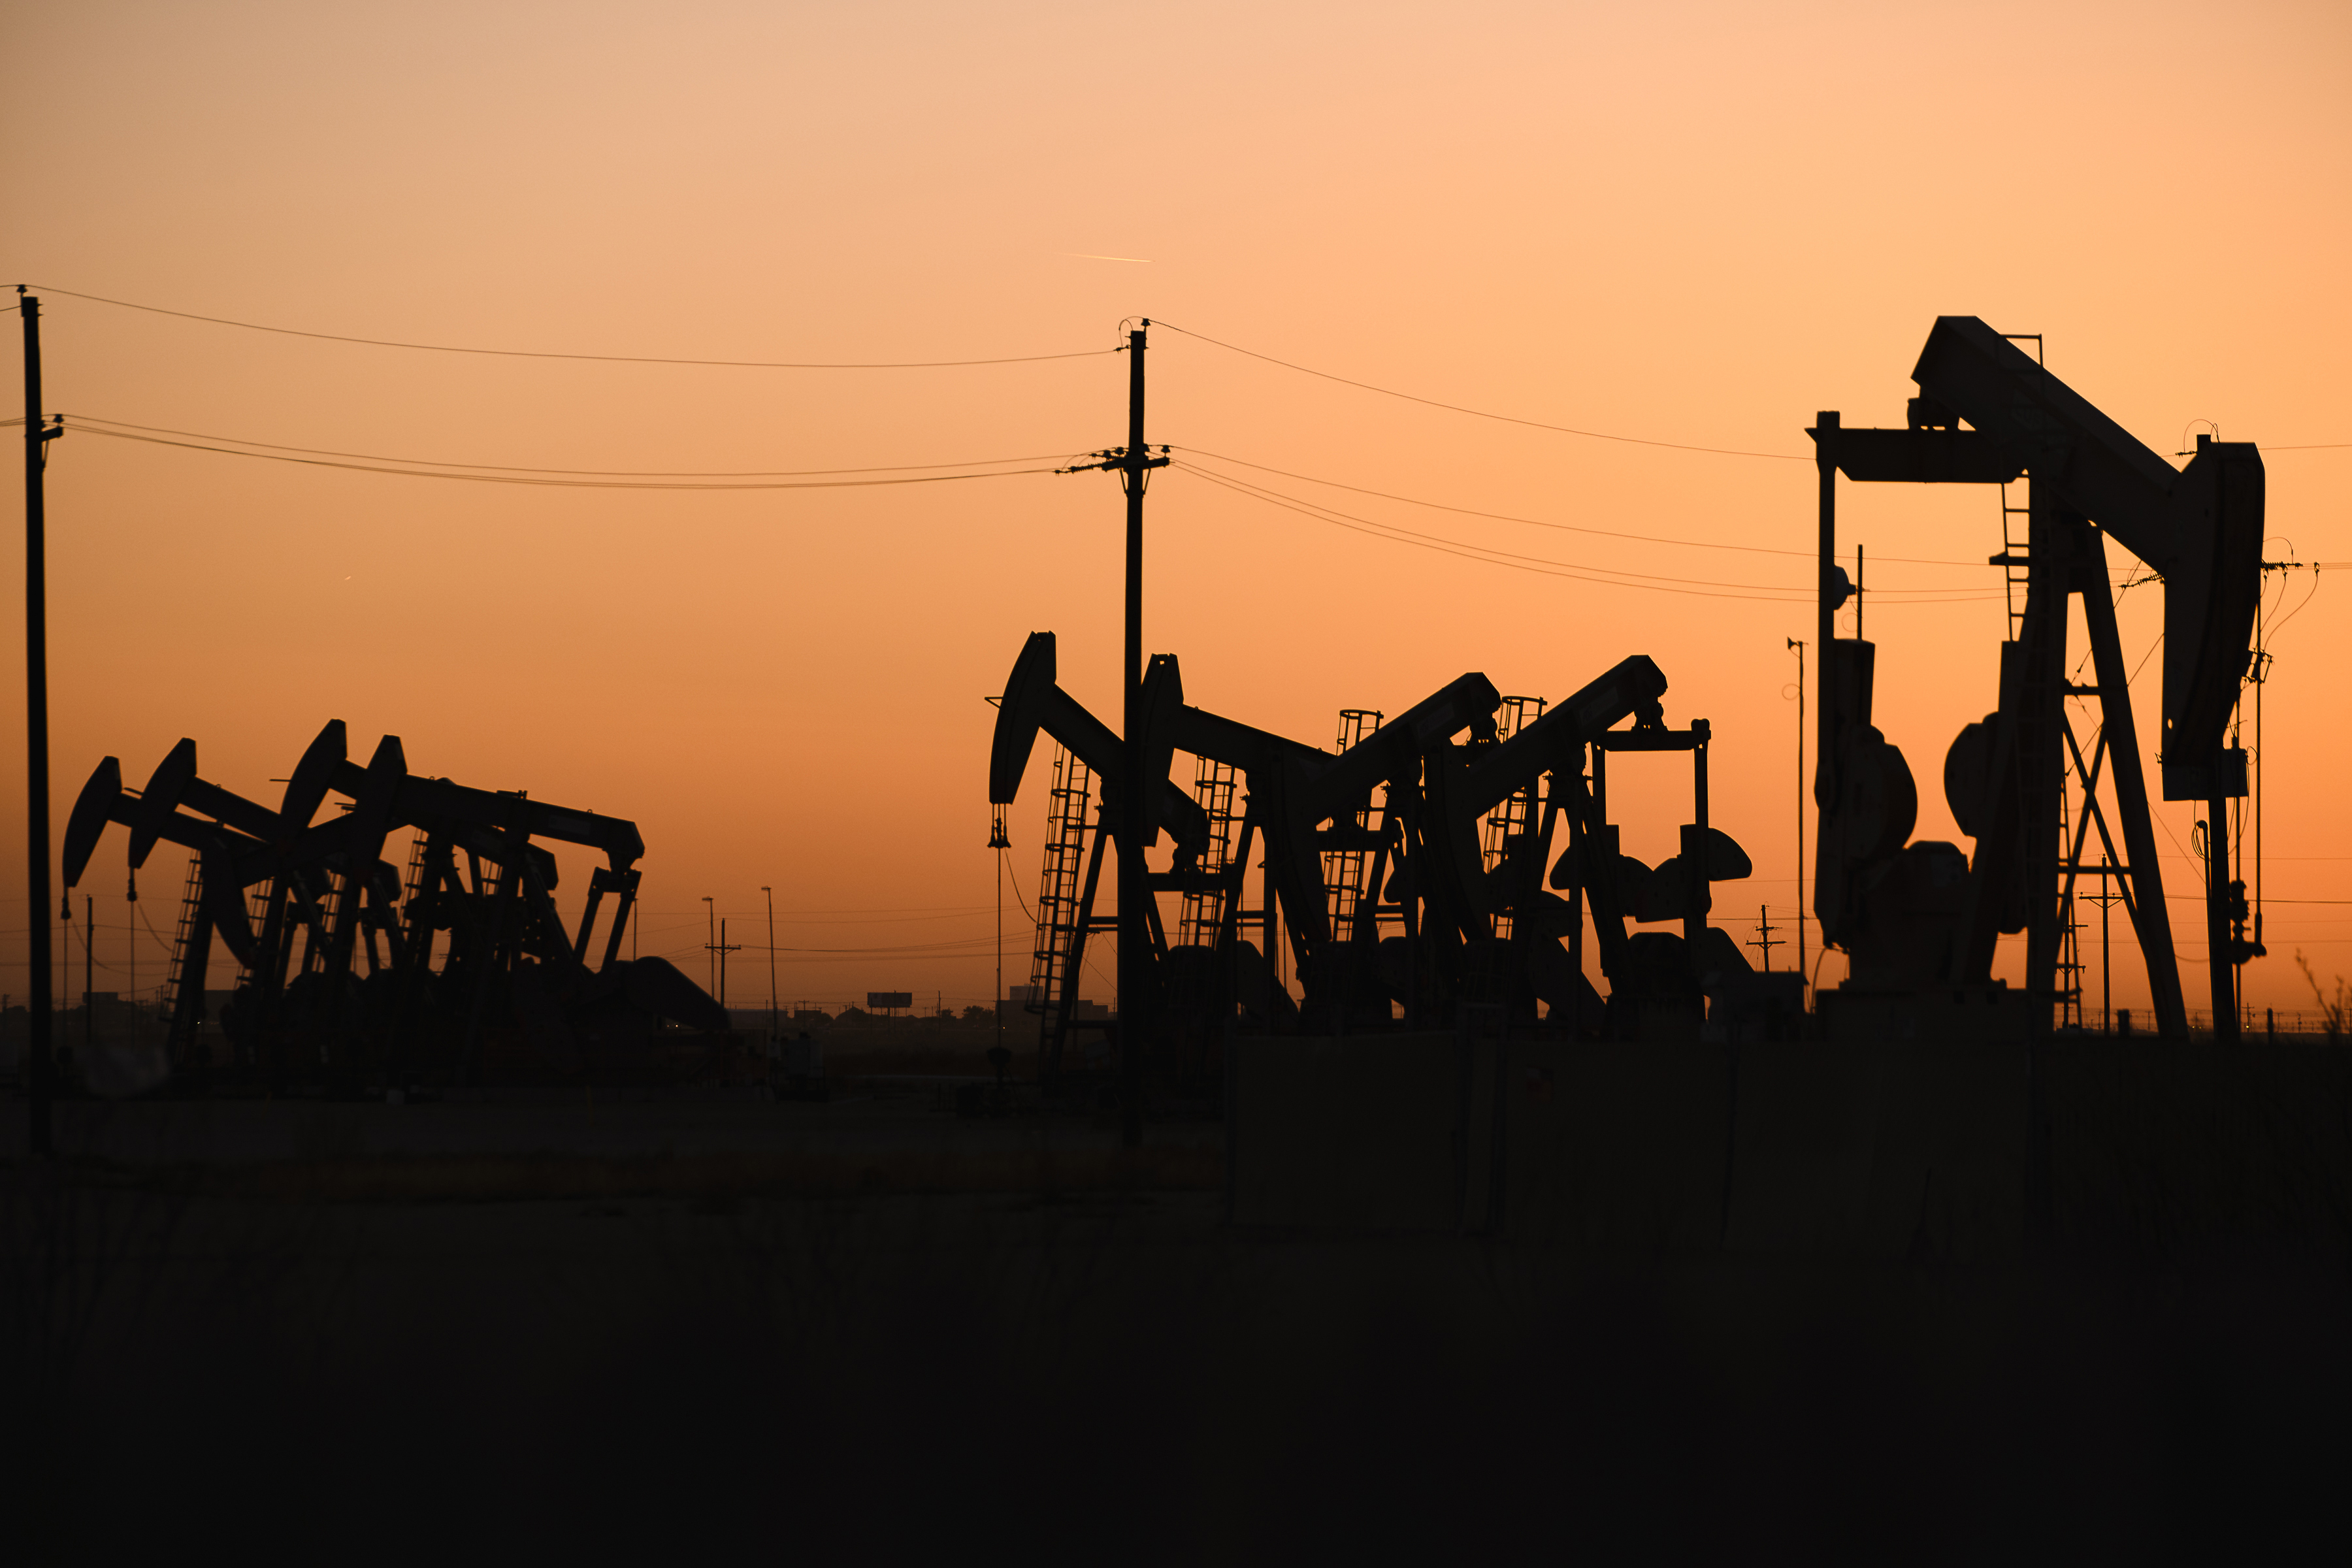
x: 1134, y: 463
x: 38, y: 1063
x: 1133, y: 981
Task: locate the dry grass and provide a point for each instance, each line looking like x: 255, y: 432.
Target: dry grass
x: 712, y: 1177
x: 2331, y: 1013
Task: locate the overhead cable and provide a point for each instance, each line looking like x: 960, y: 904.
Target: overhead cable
x: 525, y: 478
x: 1702, y: 588
x: 599, y: 359
x: 1480, y: 413
x: 1565, y: 527
x: 86, y: 421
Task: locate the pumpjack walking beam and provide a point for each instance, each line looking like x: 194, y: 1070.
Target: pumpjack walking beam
x: 1033, y: 701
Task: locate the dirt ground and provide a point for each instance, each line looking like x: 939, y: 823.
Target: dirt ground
x: 740, y: 1370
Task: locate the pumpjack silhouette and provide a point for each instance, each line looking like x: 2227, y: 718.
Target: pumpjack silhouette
x: 339, y: 980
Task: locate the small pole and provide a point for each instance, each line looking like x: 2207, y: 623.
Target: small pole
x: 2106, y: 970
x: 1799, y: 643
x: 1765, y: 942
x: 996, y: 1004
x: 1000, y: 841
x: 771, y: 892
x: 89, y: 974
x: 1826, y: 425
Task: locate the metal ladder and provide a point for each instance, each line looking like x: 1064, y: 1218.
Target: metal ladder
x: 2069, y: 956
x: 2016, y: 563
x: 411, y: 897
x: 2016, y: 521
x: 1515, y: 816
x: 1058, y: 882
x: 183, y: 937
x: 258, y: 906
x: 1203, y: 909
x: 1343, y: 870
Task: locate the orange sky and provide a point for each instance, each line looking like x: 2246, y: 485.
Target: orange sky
x: 1695, y: 223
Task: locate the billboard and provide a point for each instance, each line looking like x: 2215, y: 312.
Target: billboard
x: 882, y: 1001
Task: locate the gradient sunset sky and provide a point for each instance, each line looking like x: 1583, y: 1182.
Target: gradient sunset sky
x: 1692, y: 224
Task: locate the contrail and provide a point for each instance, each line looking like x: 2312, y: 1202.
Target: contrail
x: 1090, y: 256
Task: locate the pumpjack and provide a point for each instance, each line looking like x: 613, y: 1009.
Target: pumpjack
x: 1919, y: 920
x: 1436, y: 826
x: 508, y: 963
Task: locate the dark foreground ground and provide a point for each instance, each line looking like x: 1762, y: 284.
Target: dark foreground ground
x: 707, y: 1333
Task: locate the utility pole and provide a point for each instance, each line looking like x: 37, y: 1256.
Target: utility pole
x: 771, y: 961
x: 1134, y: 463
x: 37, y: 726
x: 725, y: 947
x: 1827, y: 423
x: 1764, y: 942
x: 710, y: 945
x: 1799, y: 643
x: 1858, y: 565
x: 88, y: 975
x: 2107, y: 894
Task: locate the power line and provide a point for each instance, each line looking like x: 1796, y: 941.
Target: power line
x: 978, y: 947
x: 1480, y: 413
x: 1699, y: 587
x: 601, y: 359
x: 1564, y: 429
x: 1562, y: 527
x: 982, y: 943
x: 88, y: 421
x: 1492, y: 557
x: 583, y: 484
